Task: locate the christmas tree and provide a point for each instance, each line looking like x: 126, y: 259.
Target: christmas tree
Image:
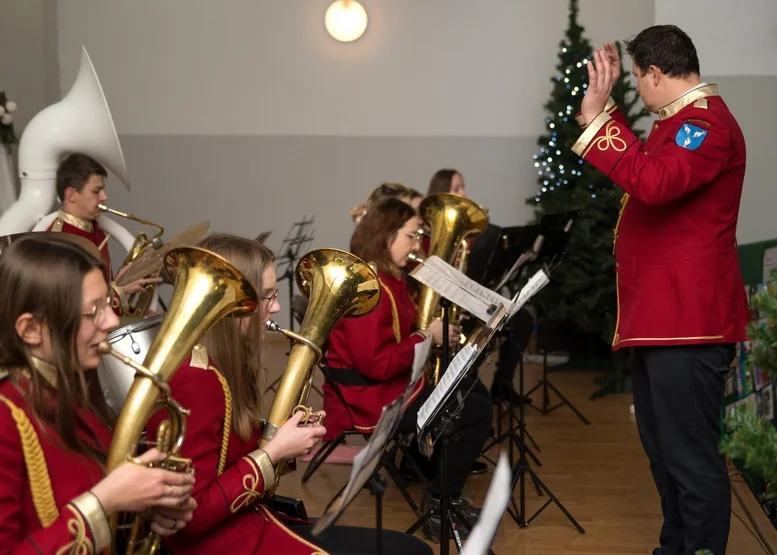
x: 750, y: 438
x: 580, y: 298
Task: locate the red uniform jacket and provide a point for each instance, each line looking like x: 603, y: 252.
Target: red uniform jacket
x: 677, y: 270
x: 228, y: 482
x: 380, y: 346
x: 42, y: 506
x: 67, y: 223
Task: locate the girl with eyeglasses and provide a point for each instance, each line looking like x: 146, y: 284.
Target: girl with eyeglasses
x: 55, y: 426
x: 370, y: 358
x: 223, y: 383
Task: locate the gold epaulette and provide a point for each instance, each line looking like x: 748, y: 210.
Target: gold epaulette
x: 35, y: 461
x: 57, y: 225
x: 200, y: 357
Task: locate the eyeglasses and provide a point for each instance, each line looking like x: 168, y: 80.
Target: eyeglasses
x: 98, y: 312
x: 271, y: 298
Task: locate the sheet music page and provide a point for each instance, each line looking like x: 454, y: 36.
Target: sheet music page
x: 458, y: 365
x: 421, y: 351
x: 458, y: 296
x: 451, y: 285
x: 469, y: 285
x: 498, y: 495
x: 535, y: 283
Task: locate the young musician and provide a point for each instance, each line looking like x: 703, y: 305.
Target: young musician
x: 385, y: 190
x: 370, y: 358
x: 223, y: 382
x: 81, y: 190
x: 55, y: 426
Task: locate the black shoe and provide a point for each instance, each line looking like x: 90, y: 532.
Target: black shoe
x: 431, y: 528
x: 478, y: 467
x: 466, y: 509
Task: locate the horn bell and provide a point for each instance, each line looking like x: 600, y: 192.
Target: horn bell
x: 450, y: 219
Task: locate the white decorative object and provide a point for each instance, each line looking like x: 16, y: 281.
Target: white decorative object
x: 346, y: 20
x: 7, y: 181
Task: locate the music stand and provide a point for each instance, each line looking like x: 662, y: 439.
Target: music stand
x: 556, y: 239
x: 293, y: 247
x: 365, y: 472
x: 436, y: 417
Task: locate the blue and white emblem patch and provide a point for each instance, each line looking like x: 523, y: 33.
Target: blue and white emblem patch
x: 690, y: 137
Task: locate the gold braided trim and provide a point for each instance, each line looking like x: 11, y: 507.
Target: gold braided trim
x: 227, y: 419
x: 37, y: 471
x: 394, y: 313
x: 624, y: 200
x: 267, y: 514
x: 262, y: 460
x: 200, y: 360
x: 81, y: 544
x: 250, y: 481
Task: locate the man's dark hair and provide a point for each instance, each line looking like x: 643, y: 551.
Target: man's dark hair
x: 75, y: 170
x: 667, y: 47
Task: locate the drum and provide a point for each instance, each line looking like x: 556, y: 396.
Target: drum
x: 134, y: 341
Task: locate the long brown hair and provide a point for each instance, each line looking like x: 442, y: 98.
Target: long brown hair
x: 44, y: 277
x: 370, y: 239
x: 441, y: 181
x: 238, y: 353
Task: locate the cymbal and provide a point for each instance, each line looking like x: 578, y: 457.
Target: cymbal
x: 151, y: 260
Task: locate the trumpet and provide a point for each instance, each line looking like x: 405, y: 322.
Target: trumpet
x: 140, y: 302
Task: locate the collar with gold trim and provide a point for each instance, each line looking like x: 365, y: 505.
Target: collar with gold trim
x: 83, y: 225
x: 688, y: 98
x: 46, y: 370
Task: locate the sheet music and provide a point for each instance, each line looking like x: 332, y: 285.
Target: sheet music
x: 457, y: 367
x: 421, y: 351
x: 364, y: 465
x: 458, y: 288
x: 535, y: 283
x: 498, y: 495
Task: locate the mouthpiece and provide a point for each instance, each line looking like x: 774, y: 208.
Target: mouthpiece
x: 273, y: 326
x: 415, y: 258
x: 104, y: 348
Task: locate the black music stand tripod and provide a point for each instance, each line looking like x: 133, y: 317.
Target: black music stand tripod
x: 552, y: 249
x: 443, y: 428
x: 522, y: 468
x: 294, y: 246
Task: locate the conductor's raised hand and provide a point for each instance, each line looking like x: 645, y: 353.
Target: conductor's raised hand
x: 600, y: 83
x: 611, y: 54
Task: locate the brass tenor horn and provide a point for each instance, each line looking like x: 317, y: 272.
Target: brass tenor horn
x: 140, y: 302
x: 207, y: 288
x: 337, y: 285
x: 451, y: 220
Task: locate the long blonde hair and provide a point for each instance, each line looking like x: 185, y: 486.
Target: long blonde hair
x: 237, y: 351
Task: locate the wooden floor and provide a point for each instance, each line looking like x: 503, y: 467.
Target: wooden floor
x: 598, y: 472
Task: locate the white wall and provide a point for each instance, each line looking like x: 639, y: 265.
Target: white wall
x: 423, y: 67
x: 732, y: 37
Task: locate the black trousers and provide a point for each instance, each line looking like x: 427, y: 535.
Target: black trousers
x: 352, y: 540
x: 470, y: 432
x: 518, y: 332
x: 678, y: 395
